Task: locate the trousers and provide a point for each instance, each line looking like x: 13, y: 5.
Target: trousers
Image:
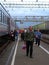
x: 29, y: 48
x: 38, y: 41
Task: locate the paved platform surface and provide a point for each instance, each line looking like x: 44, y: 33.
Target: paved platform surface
x: 40, y: 57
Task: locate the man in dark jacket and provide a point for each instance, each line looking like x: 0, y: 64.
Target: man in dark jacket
x: 29, y: 38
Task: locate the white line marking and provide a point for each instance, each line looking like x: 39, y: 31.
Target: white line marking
x: 12, y: 63
x: 10, y: 55
x: 44, y: 49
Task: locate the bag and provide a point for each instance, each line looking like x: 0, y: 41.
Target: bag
x: 24, y: 46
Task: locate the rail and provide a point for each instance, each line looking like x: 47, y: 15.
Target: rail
x: 45, y: 38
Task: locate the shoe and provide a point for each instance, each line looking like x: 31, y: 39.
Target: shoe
x: 30, y: 56
x: 26, y: 55
x: 38, y: 45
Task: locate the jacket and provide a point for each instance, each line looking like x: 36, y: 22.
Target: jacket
x: 29, y: 36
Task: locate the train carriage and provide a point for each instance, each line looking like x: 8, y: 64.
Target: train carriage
x: 6, y: 24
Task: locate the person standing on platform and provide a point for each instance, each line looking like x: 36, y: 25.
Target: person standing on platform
x: 37, y: 37
x: 29, y: 38
x: 22, y: 35
x: 14, y: 33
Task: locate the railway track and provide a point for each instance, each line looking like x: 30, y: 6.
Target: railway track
x: 45, y: 38
x: 2, y: 47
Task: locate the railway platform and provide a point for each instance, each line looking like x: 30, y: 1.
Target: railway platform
x: 15, y: 55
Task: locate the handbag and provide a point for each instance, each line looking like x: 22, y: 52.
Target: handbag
x: 24, y: 46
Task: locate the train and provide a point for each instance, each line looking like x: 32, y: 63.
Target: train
x: 7, y: 24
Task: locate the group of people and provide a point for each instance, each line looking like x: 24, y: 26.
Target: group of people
x: 14, y: 35
x: 28, y: 36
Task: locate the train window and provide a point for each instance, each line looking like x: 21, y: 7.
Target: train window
x: 0, y: 16
x: 4, y: 18
x: 8, y: 19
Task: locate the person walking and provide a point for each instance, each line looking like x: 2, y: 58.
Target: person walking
x: 16, y: 34
x: 37, y: 37
x: 29, y: 38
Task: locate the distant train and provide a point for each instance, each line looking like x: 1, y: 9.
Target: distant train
x: 6, y: 24
x: 44, y: 29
